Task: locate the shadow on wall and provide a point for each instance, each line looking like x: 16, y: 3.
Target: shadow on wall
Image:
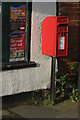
x: 37, y: 65
x: 74, y: 44
x: 63, y: 68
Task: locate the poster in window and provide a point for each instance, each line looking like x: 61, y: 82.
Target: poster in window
x: 62, y: 43
x: 17, y: 32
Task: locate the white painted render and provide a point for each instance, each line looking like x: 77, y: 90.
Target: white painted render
x: 35, y: 78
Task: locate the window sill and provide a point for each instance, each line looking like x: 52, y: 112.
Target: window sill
x: 17, y: 65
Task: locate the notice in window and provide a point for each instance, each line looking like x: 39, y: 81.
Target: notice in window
x: 17, y: 32
x: 16, y: 46
x: 18, y: 18
x: 62, y: 43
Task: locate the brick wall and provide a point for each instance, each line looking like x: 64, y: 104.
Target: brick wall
x: 71, y: 9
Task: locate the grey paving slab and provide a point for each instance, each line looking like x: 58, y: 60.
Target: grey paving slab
x: 67, y: 109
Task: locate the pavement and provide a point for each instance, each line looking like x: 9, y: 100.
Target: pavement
x: 66, y: 109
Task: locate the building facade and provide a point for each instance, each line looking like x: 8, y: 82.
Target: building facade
x: 35, y: 72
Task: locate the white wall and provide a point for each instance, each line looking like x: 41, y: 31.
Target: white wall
x: 29, y: 79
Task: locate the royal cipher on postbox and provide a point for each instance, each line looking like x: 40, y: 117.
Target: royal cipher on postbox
x: 55, y: 36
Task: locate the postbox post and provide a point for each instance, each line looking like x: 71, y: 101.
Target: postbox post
x: 53, y: 80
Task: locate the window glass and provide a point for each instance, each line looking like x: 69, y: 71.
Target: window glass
x: 15, y: 36
x: 17, y: 32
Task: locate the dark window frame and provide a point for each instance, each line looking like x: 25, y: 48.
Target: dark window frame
x: 6, y: 65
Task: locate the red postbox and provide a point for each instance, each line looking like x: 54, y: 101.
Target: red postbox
x: 55, y: 36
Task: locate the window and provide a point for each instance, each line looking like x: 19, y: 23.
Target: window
x: 16, y: 23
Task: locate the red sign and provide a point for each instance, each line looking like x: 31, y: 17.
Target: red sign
x: 16, y: 44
